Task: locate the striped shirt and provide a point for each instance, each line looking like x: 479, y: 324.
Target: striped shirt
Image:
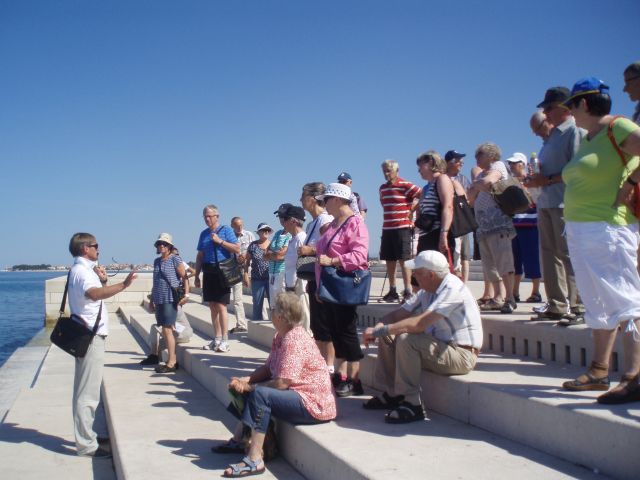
x: 161, y: 291
x: 430, y: 204
x: 280, y: 240
x: 454, y: 301
x: 396, y: 200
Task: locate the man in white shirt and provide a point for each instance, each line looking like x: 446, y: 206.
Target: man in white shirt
x: 438, y: 329
x: 293, y: 221
x: 245, y: 238
x: 87, y: 289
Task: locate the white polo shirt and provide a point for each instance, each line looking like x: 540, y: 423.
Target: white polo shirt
x: 455, y: 302
x: 81, y: 279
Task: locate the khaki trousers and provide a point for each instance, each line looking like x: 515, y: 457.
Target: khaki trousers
x: 557, y: 272
x: 401, y: 360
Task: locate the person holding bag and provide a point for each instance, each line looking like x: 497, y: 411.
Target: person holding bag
x: 345, y: 246
x: 87, y: 288
x: 216, y: 245
x: 166, y: 295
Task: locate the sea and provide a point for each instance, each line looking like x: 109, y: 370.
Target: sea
x: 21, y: 308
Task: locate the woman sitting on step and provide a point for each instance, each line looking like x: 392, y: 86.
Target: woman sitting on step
x: 293, y: 385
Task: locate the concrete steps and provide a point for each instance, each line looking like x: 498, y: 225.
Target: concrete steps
x: 315, y: 450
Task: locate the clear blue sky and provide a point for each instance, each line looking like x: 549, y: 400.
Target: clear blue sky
x: 124, y: 118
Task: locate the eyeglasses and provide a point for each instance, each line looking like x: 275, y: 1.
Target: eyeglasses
x: 93, y: 245
x: 161, y: 244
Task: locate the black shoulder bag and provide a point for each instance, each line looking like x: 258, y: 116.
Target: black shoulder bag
x: 230, y: 269
x: 306, y: 264
x: 71, y: 333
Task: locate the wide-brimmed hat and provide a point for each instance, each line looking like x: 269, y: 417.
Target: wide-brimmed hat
x: 336, y: 190
x: 431, y: 260
x: 164, y: 237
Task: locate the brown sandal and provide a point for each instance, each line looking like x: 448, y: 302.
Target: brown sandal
x: 587, y: 381
x: 628, y: 390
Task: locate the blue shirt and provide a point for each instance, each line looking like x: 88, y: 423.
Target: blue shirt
x: 214, y: 253
x: 279, y: 241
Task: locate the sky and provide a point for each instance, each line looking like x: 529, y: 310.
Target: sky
x: 125, y: 118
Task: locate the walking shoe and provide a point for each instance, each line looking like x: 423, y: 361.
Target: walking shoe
x: 391, y: 296
x: 166, y: 369
x: 406, y: 295
x: 213, y: 346
x: 534, y: 298
x: 541, y: 308
x: 223, y: 347
x: 238, y: 330
x: 150, y: 360
x: 628, y: 390
x: 336, y: 378
x: 349, y: 387
x: 507, y: 307
x: 546, y: 315
x: 97, y: 453
x: 490, y: 305
x: 516, y: 298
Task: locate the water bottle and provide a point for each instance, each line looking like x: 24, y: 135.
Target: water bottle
x: 534, y: 164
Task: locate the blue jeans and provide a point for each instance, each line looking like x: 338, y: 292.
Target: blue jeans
x: 265, y: 401
x: 259, y: 290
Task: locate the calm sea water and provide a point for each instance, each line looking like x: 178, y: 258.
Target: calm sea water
x: 21, y: 308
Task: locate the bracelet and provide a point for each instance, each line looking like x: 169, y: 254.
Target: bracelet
x: 382, y: 331
x: 631, y: 181
x: 220, y: 244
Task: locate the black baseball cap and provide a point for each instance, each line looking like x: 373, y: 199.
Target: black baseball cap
x: 295, y: 212
x: 554, y: 95
x: 282, y: 209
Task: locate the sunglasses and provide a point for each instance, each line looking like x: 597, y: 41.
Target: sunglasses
x: 161, y: 244
x: 93, y: 245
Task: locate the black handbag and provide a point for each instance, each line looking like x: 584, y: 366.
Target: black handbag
x: 306, y: 264
x: 178, y: 292
x: 425, y: 222
x: 229, y: 269
x: 341, y: 287
x: 464, y: 220
x: 71, y: 333
x: 510, y: 196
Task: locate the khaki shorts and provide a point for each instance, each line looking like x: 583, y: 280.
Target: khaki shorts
x: 497, y: 255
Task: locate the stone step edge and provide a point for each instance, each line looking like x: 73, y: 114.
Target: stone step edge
x: 290, y: 434
x: 462, y: 394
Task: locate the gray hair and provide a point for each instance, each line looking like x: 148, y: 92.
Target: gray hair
x: 391, y: 164
x: 288, y: 305
x: 211, y: 207
x: 297, y: 221
x: 489, y: 149
x: 79, y: 240
x: 537, y: 118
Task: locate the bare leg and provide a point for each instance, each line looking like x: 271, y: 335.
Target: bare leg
x: 391, y: 273
x: 221, y: 326
x: 341, y: 366
x: 507, y: 280
x: 498, y: 292
x: 353, y: 369
x: 631, y: 352
x: 327, y: 351
x: 255, y: 450
x: 603, y: 345
x: 465, y: 271
x: 214, y: 318
x: 406, y: 276
x: 170, y: 340
x: 535, y: 289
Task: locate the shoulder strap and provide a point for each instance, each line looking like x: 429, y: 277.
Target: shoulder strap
x: 95, y: 325
x: 613, y: 140
x: 337, y: 230
x: 315, y: 224
x: 63, y: 304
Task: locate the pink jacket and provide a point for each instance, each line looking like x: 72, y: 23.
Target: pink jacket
x: 350, y: 245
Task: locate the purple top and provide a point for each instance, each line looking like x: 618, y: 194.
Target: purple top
x: 350, y: 245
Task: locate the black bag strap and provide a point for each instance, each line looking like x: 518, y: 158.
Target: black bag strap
x: 338, y: 230
x: 315, y: 224
x: 63, y: 305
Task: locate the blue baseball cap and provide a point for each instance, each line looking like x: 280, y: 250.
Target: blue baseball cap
x: 587, y: 86
x: 344, y: 176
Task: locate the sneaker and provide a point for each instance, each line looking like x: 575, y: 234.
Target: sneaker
x: 150, y: 360
x: 406, y: 296
x: 336, y: 378
x: 238, y: 330
x: 507, y: 307
x: 97, y: 453
x: 213, y: 346
x: 223, y: 347
x: 349, y: 387
x: 391, y: 296
x: 541, y: 308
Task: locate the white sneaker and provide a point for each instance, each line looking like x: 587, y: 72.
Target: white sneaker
x: 213, y: 346
x: 223, y: 347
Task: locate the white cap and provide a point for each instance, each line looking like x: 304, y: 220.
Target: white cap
x: 336, y: 190
x: 517, y: 158
x: 429, y: 259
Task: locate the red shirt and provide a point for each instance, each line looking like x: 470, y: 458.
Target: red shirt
x: 296, y: 357
x: 396, y: 200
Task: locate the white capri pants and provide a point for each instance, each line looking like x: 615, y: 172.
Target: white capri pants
x: 604, y: 258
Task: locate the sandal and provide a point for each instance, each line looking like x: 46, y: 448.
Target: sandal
x: 230, y: 446
x: 387, y: 402
x: 249, y: 468
x: 483, y: 300
x: 405, y: 413
x: 591, y: 383
x: 534, y: 298
x: 490, y: 304
x: 628, y: 390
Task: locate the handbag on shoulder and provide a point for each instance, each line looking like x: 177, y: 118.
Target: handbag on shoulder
x: 229, y: 269
x: 178, y: 292
x: 464, y: 221
x: 71, y: 333
x: 510, y: 196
